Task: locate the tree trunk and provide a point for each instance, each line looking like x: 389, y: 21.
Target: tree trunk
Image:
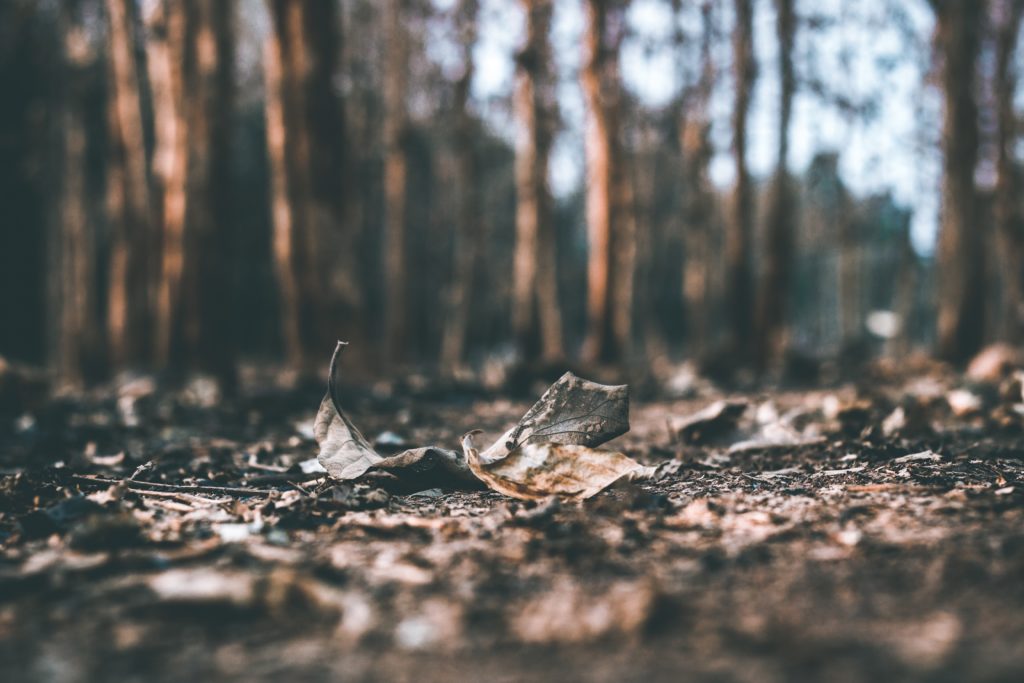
x: 536, y: 315
x: 697, y: 151
x: 209, y: 82
x: 774, y: 289
x: 607, y: 332
x: 165, y: 51
x: 395, y: 173
x: 848, y: 274
x: 470, y: 216
x: 282, y: 210
x: 1008, y: 220
x: 739, y: 295
x: 307, y: 151
x: 961, y: 275
x: 76, y: 335
x: 130, y: 281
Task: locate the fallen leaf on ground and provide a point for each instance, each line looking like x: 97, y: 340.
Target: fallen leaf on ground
x: 548, y: 452
x: 344, y: 451
x: 718, y: 419
x: 572, y: 411
x: 537, y: 470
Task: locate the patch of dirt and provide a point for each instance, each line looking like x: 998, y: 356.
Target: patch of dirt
x: 849, y: 556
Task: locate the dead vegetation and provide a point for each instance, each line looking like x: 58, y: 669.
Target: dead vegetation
x: 812, y: 536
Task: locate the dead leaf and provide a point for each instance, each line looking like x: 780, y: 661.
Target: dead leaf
x: 572, y: 411
x: 344, y: 451
x: 538, y: 470
x: 718, y: 419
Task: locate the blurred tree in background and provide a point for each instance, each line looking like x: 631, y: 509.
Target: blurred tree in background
x: 189, y: 185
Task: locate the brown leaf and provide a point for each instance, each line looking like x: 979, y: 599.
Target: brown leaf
x: 572, y: 411
x: 344, y: 451
x: 717, y: 420
x: 538, y: 470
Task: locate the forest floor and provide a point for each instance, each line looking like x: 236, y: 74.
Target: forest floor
x: 820, y: 538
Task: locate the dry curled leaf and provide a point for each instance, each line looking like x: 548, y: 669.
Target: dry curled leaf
x: 344, y: 451
x: 572, y: 411
x: 538, y: 470
x: 548, y: 450
x: 717, y: 420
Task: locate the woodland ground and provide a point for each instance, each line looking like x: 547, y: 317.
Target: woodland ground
x: 829, y: 556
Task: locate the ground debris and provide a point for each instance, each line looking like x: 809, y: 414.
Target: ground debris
x: 825, y: 558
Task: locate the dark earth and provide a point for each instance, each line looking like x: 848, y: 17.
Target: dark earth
x: 869, y: 532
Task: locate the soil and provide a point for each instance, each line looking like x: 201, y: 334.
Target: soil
x: 849, y: 553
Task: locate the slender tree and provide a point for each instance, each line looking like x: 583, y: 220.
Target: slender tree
x: 739, y: 294
x: 128, y: 202
x: 209, y: 82
x: 607, y: 335
x: 306, y: 145
x: 396, y: 76
x: 1009, y: 222
x: 165, y: 58
x: 778, y: 263
x: 469, y: 232
x: 695, y: 143
x: 961, y: 282
x: 73, y: 267
x: 536, y: 313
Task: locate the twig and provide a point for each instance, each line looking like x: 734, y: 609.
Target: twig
x: 284, y: 477
x: 183, y: 488
x: 186, y: 498
x: 299, y: 487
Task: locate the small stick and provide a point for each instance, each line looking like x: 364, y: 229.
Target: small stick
x: 182, y: 488
x: 284, y: 477
x: 296, y: 485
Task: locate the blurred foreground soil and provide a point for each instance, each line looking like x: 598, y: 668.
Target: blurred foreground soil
x: 852, y: 534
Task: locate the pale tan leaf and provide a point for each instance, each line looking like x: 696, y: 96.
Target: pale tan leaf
x: 344, y: 451
x: 572, y: 411
x: 538, y: 470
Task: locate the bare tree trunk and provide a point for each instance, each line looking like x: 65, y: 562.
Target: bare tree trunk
x: 73, y: 260
x: 131, y: 284
x: 536, y: 313
x: 739, y: 294
x: 209, y: 81
x: 282, y: 214
x: 607, y: 331
x: 961, y: 240
x: 848, y: 274
x: 395, y: 173
x: 695, y: 143
x: 774, y: 289
x: 467, y: 244
x: 165, y: 60
x: 306, y: 141
x: 1009, y: 222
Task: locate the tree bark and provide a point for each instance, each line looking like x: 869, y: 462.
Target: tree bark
x: 75, y: 332
x: 774, y: 289
x: 739, y: 294
x: 308, y: 159
x: 607, y: 333
x: 1009, y: 222
x: 537, y: 319
x: 131, y: 252
x: 697, y: 151
x: 395, y: 180
x: 470, y: 215
x: 165, y: 52
x: 961, y: 240
x: 209, y: 83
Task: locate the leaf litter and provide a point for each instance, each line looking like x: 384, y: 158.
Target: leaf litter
x: 549, y: 452
x: 854, y: 552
